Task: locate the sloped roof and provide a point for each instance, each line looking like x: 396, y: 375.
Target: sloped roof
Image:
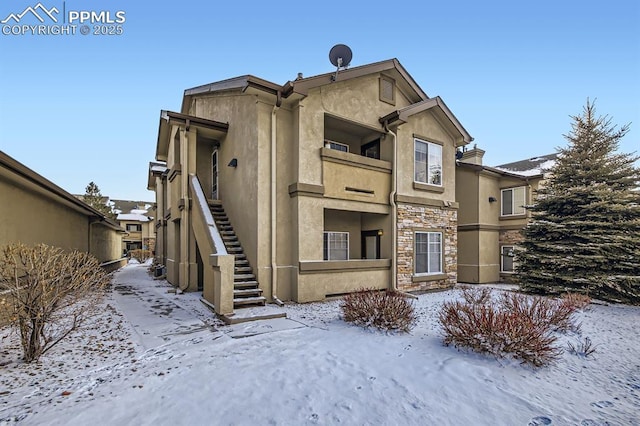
x: 531, y: 166
x: 52, y: 190
x: 403, y: 114
x: 302, y: 85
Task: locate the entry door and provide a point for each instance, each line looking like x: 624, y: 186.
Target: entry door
x: 370, y: 245
x: 214, y: 175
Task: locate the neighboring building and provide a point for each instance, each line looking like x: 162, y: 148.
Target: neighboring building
x: 34, y: 210
x: 318, y: 187
x: 136, y: 218
x: 492, y: 213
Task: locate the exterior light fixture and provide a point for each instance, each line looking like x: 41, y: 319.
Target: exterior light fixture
x: 233, y: 162
x: 492, y: 199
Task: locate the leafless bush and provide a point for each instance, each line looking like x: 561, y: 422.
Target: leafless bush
x: 141, y: 255
x: 386, y: 310
x: 475, y: 295
x: 516, y: 324
x: 583, y: 348
x: 577, y: 300
x: 554, y: 313
x: 51, y: 293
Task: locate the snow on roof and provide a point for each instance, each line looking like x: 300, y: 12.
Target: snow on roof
x: 133, y: 216
x: 531, y: 167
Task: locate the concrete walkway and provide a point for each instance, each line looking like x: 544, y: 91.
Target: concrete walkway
x: 148, y: 307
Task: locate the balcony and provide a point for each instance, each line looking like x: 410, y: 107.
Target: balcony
x: 355, y: 177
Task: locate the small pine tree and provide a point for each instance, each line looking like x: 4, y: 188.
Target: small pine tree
x: 584, y: 235
x: 95, y: 199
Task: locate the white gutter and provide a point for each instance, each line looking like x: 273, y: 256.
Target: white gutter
x: 274, y: 266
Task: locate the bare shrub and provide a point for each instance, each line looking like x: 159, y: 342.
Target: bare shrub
x: 515, y: 325
x: 386, y: 310
x: 554, y: 313
x: 475, y: 295
x: 577, y: 300
x: 583, y: 348
x: 51, y: 293
x: 141, y: 255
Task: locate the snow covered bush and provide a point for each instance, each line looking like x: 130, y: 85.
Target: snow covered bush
x: 49, y: 293
x: 141, y: 255
x: 386, y: 310
x: 514, y: 324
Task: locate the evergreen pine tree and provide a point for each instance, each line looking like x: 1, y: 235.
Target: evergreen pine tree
x: 584, y: 235
x: 95, y: 199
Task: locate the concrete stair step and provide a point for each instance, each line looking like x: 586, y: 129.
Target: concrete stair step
x: 248, y: 292
x: 241, y: 263
x: 241, y: 256
x: 231, y: 237
x: 232, y: 243
x: 244, y: 277
x: 227, y: 233
x: 243, y: 269
x: 260, y: 300
x: 245, y: 285
x: 234, y: 250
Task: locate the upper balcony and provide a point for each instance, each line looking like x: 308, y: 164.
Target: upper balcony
x: 356, y: 162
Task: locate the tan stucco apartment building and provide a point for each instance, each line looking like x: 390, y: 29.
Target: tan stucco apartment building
x: 137, y: 219
x: 34, y: 210
x: 492, y: 213
x: 317, y: 187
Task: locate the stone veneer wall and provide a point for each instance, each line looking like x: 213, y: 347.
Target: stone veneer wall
x: 511, y: 237
x: 413, y: 218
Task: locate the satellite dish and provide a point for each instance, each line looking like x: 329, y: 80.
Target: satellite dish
x: 340, y: 55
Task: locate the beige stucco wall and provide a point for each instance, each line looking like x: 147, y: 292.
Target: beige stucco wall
x: 245, y: 191
x: 425, y: 127
x: 482, y: 230
x: 32, y: 218
x: 106, y: 244
x: 316, y: 286
x: 32, y: 215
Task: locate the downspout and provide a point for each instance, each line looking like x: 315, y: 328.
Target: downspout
x: 274, y: 266
x: 394, y: 215
x: 394, y: 209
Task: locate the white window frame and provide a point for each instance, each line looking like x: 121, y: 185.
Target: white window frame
x: 333, y: 144
x: 326, y: 244
x: 429, y: 175
x: 508, y: 248
x: 515, y: 209
x: 428, y: 253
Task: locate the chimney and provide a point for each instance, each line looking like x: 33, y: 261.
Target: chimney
x: 473, y: 156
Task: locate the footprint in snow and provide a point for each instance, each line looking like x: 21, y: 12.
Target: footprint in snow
x: 539, y: 421
x: 602, y: 404
x: 314, y: 417
x: 591, y: 422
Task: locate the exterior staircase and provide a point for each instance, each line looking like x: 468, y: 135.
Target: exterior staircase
x: 245, y: 286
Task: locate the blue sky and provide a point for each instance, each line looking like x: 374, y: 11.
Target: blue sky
x: 79, y: 108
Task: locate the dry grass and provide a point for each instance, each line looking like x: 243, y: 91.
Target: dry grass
x: 385, y: 310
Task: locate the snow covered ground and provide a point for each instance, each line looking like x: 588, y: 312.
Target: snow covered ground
x: 156, y: 358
